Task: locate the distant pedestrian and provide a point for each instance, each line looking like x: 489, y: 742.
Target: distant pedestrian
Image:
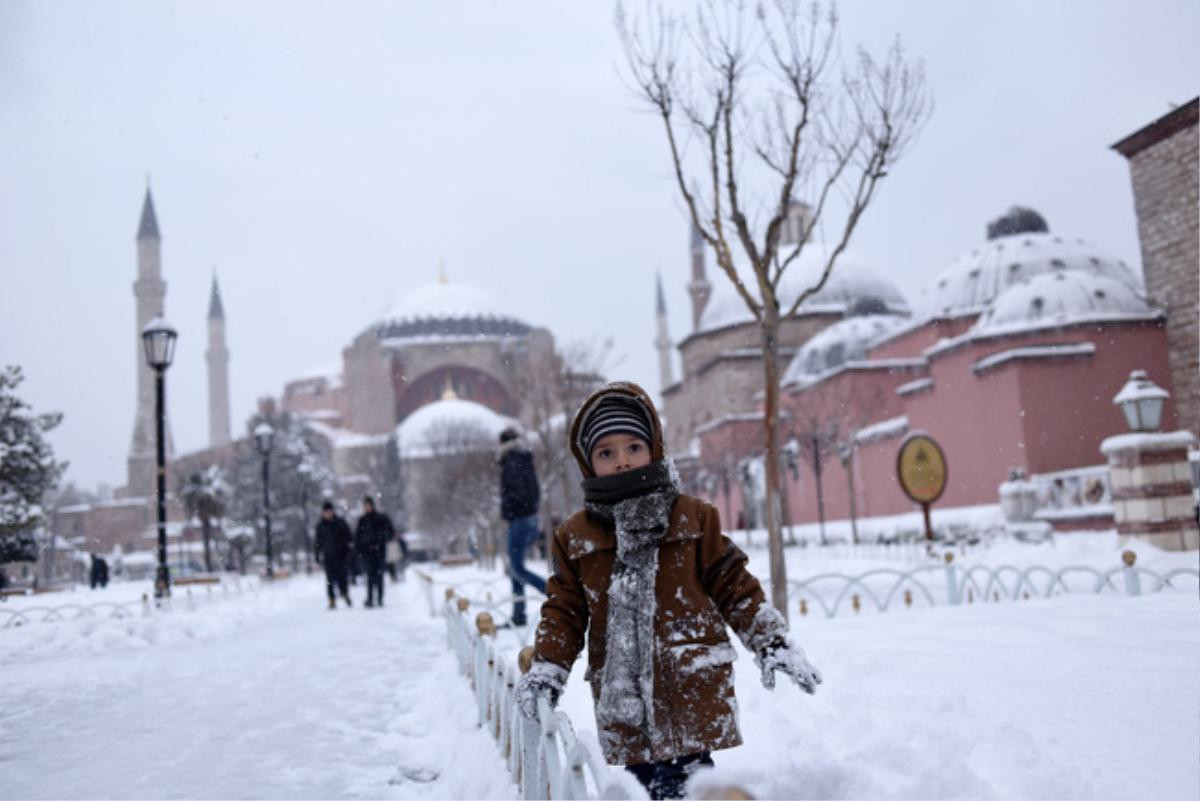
x: 519, y: 498
x: 98, y: 575
x: 373, y: 533
x: 334, y: 549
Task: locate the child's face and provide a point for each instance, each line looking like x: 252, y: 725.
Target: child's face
x: 616, y: 453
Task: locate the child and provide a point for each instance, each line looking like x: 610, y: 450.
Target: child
x: 647, y: 574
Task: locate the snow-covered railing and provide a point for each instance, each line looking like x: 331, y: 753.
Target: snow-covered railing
x: 146, y: 606
x: 546, y: 758
x: 951, y: 585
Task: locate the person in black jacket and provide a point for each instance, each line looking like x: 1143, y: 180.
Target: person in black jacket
x: 371, y: 537
x: 334, y: 549
x: 519, y: 497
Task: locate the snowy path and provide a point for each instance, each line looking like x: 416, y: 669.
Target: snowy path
x: 273, y: 697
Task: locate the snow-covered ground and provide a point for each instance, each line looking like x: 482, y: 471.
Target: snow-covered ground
x: 271, y: 696
x: 267, y: 696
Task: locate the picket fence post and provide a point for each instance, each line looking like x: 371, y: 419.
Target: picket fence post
x: 1133, y: 584
x: 951, y: 582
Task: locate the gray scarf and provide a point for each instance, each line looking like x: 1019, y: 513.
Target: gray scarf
x: 638, y: 504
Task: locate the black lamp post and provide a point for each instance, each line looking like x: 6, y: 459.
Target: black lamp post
x: 158, y: 339
x: 263, y: 434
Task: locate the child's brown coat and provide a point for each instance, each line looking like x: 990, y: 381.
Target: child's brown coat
x: 702, y: 584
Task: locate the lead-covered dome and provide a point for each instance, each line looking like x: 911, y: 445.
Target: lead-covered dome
x: 448, y: 426
x: 844, y: 341
x: 853, y: 287
x: 1062, y: 298
x: 1020, y: 247
x: 446, y: 310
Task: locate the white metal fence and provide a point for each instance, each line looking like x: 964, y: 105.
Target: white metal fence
x: 183, y: 597
x: 546, y: 758
x: 949, y: 584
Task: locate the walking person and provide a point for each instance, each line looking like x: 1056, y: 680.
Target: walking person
x: 371, y: 537
x: 334, y: 549
x: 519, y: 497
x: 647, y: 574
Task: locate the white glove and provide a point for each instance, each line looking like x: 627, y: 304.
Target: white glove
x: 785, y: 658
x: 544, y: 680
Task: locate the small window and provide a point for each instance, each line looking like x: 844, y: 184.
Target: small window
x: 1058, y: 264
x: 1036, y: 305
x: 1014, y: 267
x: 1100, y: 294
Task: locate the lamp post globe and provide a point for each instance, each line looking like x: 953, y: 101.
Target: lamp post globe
x: 158, y: 343
x: 1141, y: 401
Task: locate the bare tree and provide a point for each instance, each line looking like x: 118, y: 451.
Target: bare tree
x: 552, y: 391
x: 455, y: 489
x: 774, y: 111
x: 825, y: 425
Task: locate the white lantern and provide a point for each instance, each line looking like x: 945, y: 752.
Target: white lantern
x: 158, y: 338
x: 1142, y: 401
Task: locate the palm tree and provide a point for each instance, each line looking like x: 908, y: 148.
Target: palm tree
x: 204, y: 494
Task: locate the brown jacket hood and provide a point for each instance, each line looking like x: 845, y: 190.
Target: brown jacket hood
x: 631, y: 390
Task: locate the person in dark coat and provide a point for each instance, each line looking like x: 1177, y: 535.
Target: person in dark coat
x: 371, y: 537
x: 519, y: 498
x: 334, y: 549
x: 99, y: 573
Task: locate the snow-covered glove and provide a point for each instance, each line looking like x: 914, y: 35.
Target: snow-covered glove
x: 544, y: 680
x: 779, y: 655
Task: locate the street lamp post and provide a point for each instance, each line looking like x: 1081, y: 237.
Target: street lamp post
x: 305, y: 471
x: 158, y: 339
x: 263, y: 434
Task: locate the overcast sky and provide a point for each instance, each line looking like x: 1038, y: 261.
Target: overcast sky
x: 323, y: 158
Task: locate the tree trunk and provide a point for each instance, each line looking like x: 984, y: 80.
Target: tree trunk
x: 206, y: 532
x: 853, y: 504
x: 770, y: 348
x: 816, y: 451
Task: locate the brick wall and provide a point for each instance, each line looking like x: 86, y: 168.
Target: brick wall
x: 1165, y: 189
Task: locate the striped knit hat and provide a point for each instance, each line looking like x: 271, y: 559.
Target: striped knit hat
x: 614, y: 414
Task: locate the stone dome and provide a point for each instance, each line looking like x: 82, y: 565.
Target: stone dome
x: 452, y: 424
x: 844, y: 341
x: 1020, y: 247
x: 852, y: 286
x: 446, y: 310
x: 1061, y: 298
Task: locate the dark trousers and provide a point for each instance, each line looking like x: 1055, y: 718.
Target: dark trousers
x: 336, y: 578
x: 669, y: 779
x: 374, y: 582
x: 521, y: 534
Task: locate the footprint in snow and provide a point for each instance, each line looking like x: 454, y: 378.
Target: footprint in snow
x: 419, y: 775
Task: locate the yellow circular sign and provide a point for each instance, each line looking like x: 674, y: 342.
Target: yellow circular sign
x: 921, y: 467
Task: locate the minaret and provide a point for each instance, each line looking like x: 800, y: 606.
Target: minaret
x: 217, y: 356
x: 663, y: 341
x: 150, y: 291
x: 699, y: 288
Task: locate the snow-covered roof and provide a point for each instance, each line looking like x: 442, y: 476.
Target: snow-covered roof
x: 845, y: 340
x: 977, y: 278
x: 852, y: 283
x: 420, y: 432
x: 445, y: 309
x: 1064, y: 297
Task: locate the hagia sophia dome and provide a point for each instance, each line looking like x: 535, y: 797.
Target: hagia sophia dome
x: 1019, y: 248
x: 853, y: 287
x: 445, y: 310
